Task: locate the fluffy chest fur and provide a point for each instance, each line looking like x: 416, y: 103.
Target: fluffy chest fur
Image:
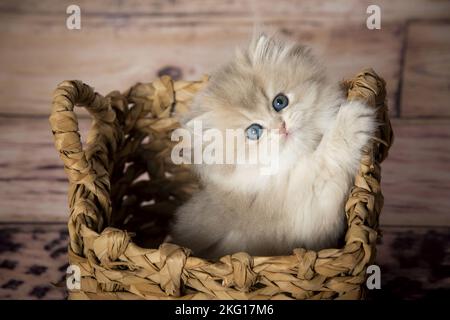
x: 289, y: 209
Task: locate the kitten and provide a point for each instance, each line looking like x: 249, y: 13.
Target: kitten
x: 275, y: 85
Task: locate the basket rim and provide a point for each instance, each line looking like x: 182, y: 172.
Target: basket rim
x: 101, y: 250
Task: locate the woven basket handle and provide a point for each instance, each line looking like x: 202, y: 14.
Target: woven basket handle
x: 88, y: 168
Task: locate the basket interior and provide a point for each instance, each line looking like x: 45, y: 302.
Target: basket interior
x: 146, y: 187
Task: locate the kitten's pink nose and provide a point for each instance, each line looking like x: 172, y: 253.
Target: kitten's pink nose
x: 283, y: 129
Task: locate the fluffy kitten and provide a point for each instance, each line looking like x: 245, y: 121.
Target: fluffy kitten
x: 321, y: 136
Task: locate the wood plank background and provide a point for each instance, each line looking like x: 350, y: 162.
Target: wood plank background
x: 123, y: 42
x: 427, y: 65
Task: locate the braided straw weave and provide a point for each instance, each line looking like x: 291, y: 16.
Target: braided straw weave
x: 124, y: 189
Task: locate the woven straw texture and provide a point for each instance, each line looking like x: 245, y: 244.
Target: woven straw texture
x: 124, y: 189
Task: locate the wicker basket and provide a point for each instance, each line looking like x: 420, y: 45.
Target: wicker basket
x: 124, y: 189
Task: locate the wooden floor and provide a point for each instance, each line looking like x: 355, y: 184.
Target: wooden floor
x: 123, y: 42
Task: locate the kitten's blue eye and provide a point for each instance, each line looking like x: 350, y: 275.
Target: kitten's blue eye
x: 280, y: 102
x: 254, y: 131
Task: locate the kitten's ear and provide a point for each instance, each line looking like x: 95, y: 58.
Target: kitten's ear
x: 261, y: 38
x: 302, y: 51
x: 257, y: 47
x: 251, y: 54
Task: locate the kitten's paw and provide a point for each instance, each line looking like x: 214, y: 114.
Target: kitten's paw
x: 356, y: 124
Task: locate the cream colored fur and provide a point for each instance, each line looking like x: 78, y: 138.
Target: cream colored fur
x: 303, y: 204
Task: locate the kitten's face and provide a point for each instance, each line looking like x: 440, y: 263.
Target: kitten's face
x: 274, y: 95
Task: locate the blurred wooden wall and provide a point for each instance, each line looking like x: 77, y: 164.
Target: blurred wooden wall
x: 123, y: 42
